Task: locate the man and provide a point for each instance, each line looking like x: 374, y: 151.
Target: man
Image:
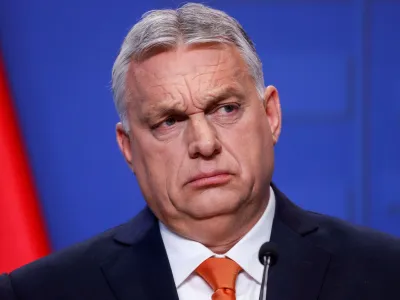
x: 198, y: 129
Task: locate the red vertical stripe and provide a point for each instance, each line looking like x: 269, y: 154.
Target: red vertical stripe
x: 22, y: 234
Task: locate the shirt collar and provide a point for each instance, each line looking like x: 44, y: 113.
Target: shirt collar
x: 245, y: 252
x: 186, y: 255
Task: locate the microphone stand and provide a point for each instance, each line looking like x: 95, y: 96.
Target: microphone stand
x: 267, y: 255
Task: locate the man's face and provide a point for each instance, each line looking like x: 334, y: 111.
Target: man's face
x: 201, y: 139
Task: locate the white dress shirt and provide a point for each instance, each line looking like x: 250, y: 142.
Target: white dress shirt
x: 186, y: 255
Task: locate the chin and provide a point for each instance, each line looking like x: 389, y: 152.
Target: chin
x: 207, y: 205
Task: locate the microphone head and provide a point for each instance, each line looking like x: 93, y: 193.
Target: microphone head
x: 268, y: 249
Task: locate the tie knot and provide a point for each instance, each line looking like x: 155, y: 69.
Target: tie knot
x: 219, y: 273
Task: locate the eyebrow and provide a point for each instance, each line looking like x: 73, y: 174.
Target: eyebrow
x: 211, y: 98
x: 161, y: 109
x: 222, y: 93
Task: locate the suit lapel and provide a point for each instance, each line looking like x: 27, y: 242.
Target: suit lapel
x: 301, y: 266
x: 140, y: 270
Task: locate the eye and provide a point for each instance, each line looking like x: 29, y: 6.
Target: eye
x: 227, y: 109
x: 169, y: 122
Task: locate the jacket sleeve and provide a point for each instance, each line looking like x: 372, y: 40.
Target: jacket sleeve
x: 6, y: 290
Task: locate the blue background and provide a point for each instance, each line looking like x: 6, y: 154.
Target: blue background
x: 335, y: 63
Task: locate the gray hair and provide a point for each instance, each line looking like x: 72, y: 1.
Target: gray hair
x: 192, y: 23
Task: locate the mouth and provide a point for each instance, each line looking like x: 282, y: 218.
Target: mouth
x: 209, y: 179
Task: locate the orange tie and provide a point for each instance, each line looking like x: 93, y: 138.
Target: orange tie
x: 220, y: 274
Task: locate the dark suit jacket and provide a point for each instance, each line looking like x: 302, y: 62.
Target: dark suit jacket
x: 320, y: 258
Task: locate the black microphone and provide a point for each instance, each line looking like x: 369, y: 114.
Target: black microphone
x: 268, y: 256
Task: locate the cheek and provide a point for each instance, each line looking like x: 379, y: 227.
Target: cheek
x: 159, y: 163
x: 148, y: 165
x: 254, y: 143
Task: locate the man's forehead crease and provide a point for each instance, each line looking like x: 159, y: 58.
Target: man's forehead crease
x: 228, y: 69
x: 157, y: 108
x: 207, y: 68
x: 221, y: 87
x: 160, y: 99
x: 216, y: 78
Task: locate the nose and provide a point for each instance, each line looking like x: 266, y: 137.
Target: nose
x: 203, y: 141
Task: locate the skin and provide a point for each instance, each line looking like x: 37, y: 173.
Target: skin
x: 194, y: 112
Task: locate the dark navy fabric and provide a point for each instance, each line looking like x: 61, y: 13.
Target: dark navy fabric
x: 321, y: 257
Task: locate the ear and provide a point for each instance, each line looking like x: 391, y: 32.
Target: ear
x: 124, y: 143
x: 273, y: 110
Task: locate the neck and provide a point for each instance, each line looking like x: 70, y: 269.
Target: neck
x: 223, y: 248
x: 222, y: 232
x: 228, y: 240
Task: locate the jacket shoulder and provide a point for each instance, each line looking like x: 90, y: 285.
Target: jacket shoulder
x: 74, y: 271
x: 6, y: 289
x: 89, y: 250
x: 54, y: 275
x: 344, y: 239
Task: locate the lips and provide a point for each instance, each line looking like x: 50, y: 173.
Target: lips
x: 214, y: 178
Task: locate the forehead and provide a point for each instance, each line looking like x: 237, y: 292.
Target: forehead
x: 186, y: 71
x: 195, y: 63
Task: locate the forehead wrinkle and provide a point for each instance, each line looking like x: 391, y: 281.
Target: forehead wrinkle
x: 222, y: 71
x: 227, y: 84
x: 225, y: 90
x: 215, y: 66
x: 158, y: 109
x: 222, y: 80
x: 235, y: 74
x: 133, y: 83
x: 160, y: 90
x: 220, y: 62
